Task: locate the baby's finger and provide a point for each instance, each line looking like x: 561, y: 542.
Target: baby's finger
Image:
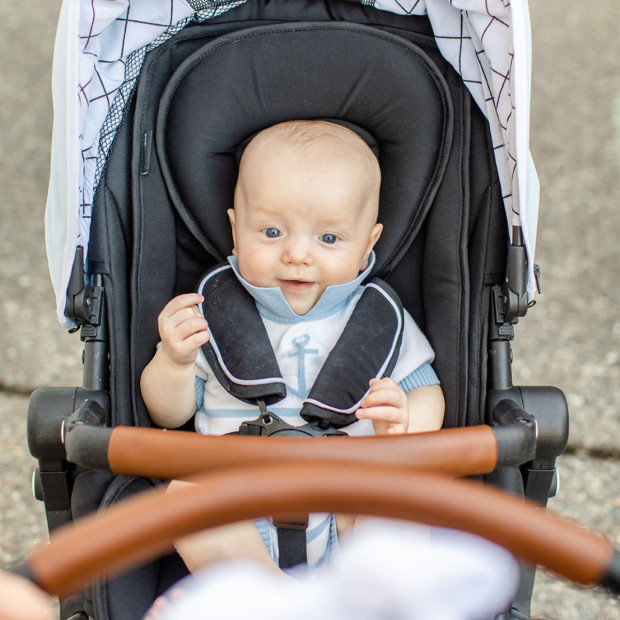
x: 190, y: 326
x: 181, y: 342
x: 185, y: 314
x: 385, y: 396
x: 196, y: 340
x: 184, y: 352
x: 181, y: 301
x: 382, y: 384
x: 184, y: 319
x: 393, y: 415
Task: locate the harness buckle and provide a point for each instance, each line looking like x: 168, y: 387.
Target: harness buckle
x: 268, y: 423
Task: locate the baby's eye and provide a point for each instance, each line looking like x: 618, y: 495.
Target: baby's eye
x: 329, y: 238
x: 271, y: 232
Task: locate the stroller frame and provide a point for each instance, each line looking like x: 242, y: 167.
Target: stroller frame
x: 93, y: 304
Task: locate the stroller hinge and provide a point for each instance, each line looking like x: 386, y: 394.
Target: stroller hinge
x: 508, y: 303
x: 86, y: 305
x: 83, y: 302
x: 500, y: 336
x: 505, y: 329
x: 514, y: 301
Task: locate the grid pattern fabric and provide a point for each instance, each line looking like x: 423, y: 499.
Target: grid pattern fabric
x: 475, y: 36
x: 117, y: 42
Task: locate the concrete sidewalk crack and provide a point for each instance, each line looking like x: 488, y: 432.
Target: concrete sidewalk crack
x: 15, y: 390
x: 601, y: 453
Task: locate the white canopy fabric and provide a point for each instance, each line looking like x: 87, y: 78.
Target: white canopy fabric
x: 101, y: 44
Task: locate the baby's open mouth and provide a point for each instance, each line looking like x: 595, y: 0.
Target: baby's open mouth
x: 295, y: 284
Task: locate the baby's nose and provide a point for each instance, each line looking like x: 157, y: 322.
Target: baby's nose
x: 298, y: 251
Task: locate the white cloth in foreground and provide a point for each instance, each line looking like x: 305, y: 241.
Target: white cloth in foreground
x: 389, y: 569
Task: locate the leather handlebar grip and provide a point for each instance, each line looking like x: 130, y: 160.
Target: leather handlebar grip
x: 145, y: 526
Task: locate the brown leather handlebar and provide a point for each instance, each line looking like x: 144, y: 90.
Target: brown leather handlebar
x: 176, y: 454
x: 143, y: 527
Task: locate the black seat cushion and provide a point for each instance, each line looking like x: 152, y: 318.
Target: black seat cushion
x: 237, y: 85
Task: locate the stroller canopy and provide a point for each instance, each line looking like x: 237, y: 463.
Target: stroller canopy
x: 101, y: 45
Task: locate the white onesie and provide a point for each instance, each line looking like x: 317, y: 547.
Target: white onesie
x: 301, y: 345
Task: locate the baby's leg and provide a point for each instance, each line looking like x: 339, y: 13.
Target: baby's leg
x: 344, y: 522
x: 224, y: 543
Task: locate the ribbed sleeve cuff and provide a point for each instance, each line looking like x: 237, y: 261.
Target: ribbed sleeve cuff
x: 421, y: 376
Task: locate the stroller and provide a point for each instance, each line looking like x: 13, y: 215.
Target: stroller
x: 442, y: 92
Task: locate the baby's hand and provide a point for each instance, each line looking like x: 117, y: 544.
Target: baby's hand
x: 386, y: 405
x: 182, y: 329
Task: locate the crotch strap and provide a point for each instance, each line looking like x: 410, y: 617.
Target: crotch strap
x: 241, y: 356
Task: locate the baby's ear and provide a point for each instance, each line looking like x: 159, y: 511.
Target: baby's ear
x: 231, y: 217
x: 375, y: 233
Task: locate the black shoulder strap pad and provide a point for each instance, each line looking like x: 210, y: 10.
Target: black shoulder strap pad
x: 242, y: 358
x: 368, y: 347
x: 238, y: 351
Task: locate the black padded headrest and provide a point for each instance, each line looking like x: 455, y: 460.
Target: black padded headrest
x: 246, y: 81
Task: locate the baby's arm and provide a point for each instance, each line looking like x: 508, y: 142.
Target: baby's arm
x: 167, y: 382
x: 426, y: 406
x: 393, y: 412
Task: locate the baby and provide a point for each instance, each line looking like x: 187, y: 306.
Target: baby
x: 304, y: 222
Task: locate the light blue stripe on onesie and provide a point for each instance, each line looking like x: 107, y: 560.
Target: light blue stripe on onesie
x: 200, y: 392
x: 263, y: 526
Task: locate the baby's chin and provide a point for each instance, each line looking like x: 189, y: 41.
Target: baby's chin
x: 301, y: 308
x: 301, y: 305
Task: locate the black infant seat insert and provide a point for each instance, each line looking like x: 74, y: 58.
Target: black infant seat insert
x: 199, y: 133
x: 250, y: 87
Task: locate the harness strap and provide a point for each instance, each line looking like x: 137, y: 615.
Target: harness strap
x: 291, y: 540
x: 368, y: 347
x: 242, y: 358
x: 238, y: 351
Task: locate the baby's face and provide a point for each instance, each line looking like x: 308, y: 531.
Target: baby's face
x: 302, y: 223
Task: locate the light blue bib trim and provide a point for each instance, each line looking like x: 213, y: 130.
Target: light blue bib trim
x: 273, y: 306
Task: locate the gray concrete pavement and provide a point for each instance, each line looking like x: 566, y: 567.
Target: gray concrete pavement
x: 570, y: 339
x: 35, y: 349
